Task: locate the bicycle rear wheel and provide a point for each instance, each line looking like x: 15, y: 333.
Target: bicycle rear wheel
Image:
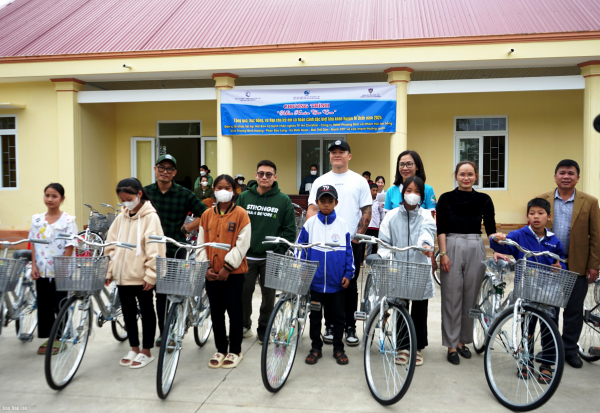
x: 482, y: 323
x: 71, y: 332
x: 589, y: 339
x: 280, y: 346
x: 84, y: 250
x: 436, y: 274
x: 513, y: 376
x: 387, y: 380
x: 27, y: 312
x: 202, y: 331
x: 170, y: 349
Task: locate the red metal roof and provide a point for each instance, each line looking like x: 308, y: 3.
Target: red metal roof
x: 58, y: 27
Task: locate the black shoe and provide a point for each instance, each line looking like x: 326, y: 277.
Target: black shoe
x: 464, y: 352
x: 453, y: 358
x: 351, y: 338
x: 328, y: 336
x: 260, y: 333
x: 574, y: 361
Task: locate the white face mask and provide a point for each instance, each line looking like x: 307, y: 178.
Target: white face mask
x: 240, y: 182
x: 313, y: 172
x: 204, y: 183
x: 412, y: 199
x: 223, y: 195
x: 131, y: 205
x: 202, y: 173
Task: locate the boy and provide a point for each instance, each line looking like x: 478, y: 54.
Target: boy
x: 536, y: 238
x: 367, y: 176
x: 336, y: 269
x: 376, y: 217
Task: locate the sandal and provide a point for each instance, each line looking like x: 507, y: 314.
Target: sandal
x: 219, y: 358
x: 419, y: 358
x: 545, y: 378
x: 233, y: 360
x: 143, y: 361
x: 524, y: 371
x: 341, y: 358
x: 402, y: 357
x: 313, y: 356
x: 42, y: 349
x: 129, y: 357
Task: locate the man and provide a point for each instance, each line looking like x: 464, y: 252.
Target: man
x: 271, y: 214
x: 172, y: 203
x: 309, y: 180
x: 354, y: 206
x: 575, y: 221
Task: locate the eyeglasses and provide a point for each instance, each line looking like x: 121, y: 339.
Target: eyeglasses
x: 261, y: 174
x: 407, y: 165
x: 163, y: 169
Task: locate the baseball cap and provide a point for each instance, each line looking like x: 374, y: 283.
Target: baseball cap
x: 166, y: 157
x: 239, y: 176
x: 340, y: 144
x: 327, y: 189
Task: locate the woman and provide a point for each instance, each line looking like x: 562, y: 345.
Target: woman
x: 308, y: 180
x: 409, y: 164
x: 134, y: 271
x: 459, y: 215
x: 380, y: 181
x: 47, y: 226
x: 204, y: 190
x: 239, y: 179
x: 204, y: 171
x: 405, y: 226
x: 229, y: 224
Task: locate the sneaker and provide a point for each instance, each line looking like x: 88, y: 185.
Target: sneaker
x: 260, y: 333
x: 328, y: 336
x: 247, y: 332
x: 351, y: 338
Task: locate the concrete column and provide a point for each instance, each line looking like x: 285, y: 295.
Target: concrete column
x: 69, y: 149
x: 399, y: 76
x: 590, y: 174
x: 224, y: 143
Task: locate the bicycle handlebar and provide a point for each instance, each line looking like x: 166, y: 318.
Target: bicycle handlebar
x: 374, y: 240
x: 279, y: 240
x: 110, y: 206
x: 164, y: 240
x: 529, y: 253
x: 97, y: 244
x: 32, y: 240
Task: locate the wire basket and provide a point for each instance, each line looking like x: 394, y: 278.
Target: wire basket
x: 400, y: 279
x: 180, y: 277
x: 99, y: 223
x: 110, y: 218
x: 543, y: 284
x: 85, y: 274
x: 289, y: 274
x: 10, y: 270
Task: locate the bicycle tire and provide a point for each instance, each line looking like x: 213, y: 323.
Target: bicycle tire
x: 482, y: 322
x: 497, y: 348
x: 67, y: 318
x: 590, y: 332
x: 202, y: 332
x: 436, y: 274
x: 83, y: 250
x: 167, y: 362
x: 278, y: 329
x: 117, y: 324
x: 26, y: 322
x: 374, y: 348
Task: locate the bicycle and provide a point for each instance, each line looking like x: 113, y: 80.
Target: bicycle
x: 286, y: 325
x: 390, y: 328
x: 18, y: 296
x: 183, y: 281
x: 589, y: 339
x: 516, y: 331
x: 84, y: 278
x: 96, y: 231
x: 300, y: 214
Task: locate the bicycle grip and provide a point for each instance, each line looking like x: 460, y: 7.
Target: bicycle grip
x: 332, y: 244
x: 40, y: 241
x: 362, y: 236
x: 128, y: 245
x: 63, y: 235
x: 105, y: 205
x: 271, y: 238
x: 156, y: 237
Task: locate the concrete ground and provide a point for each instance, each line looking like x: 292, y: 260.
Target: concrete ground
x: 102, y: 385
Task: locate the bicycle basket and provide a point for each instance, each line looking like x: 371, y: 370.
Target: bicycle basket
x: 543, y: 284
x: 10, y: 270
x: 180, y: 277
x: 110, y: 218
x: 289, y: 274
x: 85, y: 274
x: 98, y: 223
x: 400, y: 279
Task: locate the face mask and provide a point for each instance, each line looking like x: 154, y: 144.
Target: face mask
x: 202, y: 173
x: 240, y: 182
x: 204, y: 183
x: 132, y: 204
x: 313, y: 172
x: 223, y: 195
x: 412, y: 199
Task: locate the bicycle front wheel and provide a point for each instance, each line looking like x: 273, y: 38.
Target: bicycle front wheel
x: 390, y: 353
x: 84, y: 250
x: 69, y: 334
x: 510, y: 371
x: 589, y: 339
x: 170, y: 349
x: 280, y: 346
x: 482, y: 323
x: 27, y: 311
x: 117, y: 324
x: 202, y: 331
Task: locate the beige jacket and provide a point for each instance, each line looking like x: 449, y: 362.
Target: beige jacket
x: 133, y: 267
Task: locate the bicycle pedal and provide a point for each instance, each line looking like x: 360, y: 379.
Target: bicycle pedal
x: 594, y: 351
x: 26, y: 338
x: 315, y: 306
x: 474, y: 313
x: 360, y: 315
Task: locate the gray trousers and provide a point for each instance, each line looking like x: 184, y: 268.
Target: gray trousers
x: 460, y: 287
x: 268, y: 294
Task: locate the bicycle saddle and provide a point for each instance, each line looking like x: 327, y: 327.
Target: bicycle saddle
x: 22, y: 254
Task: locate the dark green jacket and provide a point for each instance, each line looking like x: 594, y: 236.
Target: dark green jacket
x: 203, y: 194
x: 271, y: 214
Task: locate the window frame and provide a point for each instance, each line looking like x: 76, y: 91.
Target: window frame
x: 10, y: 132
x: 158, y: 135
x: 458, y: 135
x: 320, y: 138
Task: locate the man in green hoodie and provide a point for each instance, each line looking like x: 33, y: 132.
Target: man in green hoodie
x: 271, y: 214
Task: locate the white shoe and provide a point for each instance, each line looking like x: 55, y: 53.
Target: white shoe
x: 129, y: 356
x: 143, y: 359
x: 247, y: 332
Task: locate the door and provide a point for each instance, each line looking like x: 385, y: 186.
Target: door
x: 143, y: 156
x: 187, y: 152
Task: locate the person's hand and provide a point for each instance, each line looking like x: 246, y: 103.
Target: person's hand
x: 497, y: 256
x: 592, y: 275
x: 434, y: 266
x: 35, y: 273
x: 445, y: 263
x: 147, y: 286
x: 499, y: 236
x: 107, y: 282
x: 345, y: 282
x: 223, y: 274
x: 355, y: 241
x: 184, y: 230
x: 429, y: 252
x: 211, y: 275
x: 557, y: 265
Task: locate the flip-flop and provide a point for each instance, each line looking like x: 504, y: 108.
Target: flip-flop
x: 402, y: 357
x: 219, y: 358
x: 419, y: 358
x: 129, y: 356
x: 143, y: 359
x: 234, y: 359
x: 42, y: 349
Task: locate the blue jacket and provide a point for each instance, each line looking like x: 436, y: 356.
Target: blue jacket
x: 333, y: 265
x: 528, y: 240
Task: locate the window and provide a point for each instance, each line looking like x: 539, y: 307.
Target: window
x: 484, y: 140
x: 312, y: 150
x: 179, y: 128
x: 8, y: 144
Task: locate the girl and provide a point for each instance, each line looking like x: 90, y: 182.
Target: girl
x: 409, y: 164
x: 459, y: 215
x: 229, y: 224
x: 134, y: 271
x: 409, y: 225
x: 204, y: 190
x: 47, y: 226
x: 204, y: 171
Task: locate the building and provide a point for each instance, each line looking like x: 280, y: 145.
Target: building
x: 92, y: 90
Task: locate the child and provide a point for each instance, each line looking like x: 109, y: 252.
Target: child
x: 204, y: 190
x: 367, y: 176
x: 409, y: 225
x: 47, y: 226
x: 229, y: 224
x: 336, y: 269
x: 134, y: 271
x: 536, y: 238
x: 377, y: 216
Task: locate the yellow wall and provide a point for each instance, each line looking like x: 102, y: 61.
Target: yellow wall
x: 544, y: 127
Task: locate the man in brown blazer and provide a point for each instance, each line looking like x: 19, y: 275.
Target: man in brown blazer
x: 575, y: 221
